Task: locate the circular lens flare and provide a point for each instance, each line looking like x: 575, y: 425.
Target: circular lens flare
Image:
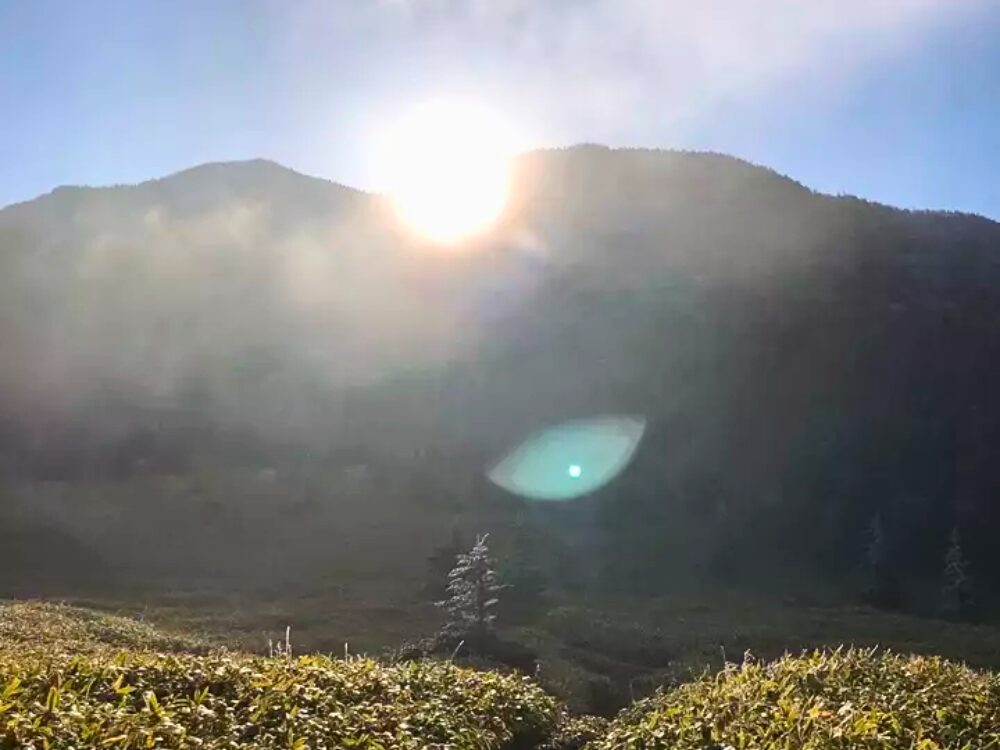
x: 570, y: 460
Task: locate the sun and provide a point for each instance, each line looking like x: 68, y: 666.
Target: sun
x: 448, y: 166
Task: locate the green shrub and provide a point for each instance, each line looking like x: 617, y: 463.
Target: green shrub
x: 141, y: 700
x: 853, y: 699
x: 57, y: 627
x: 119, y: 692
x: 575, y: 732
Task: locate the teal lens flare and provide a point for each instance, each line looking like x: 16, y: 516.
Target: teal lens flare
x: 569, y: 460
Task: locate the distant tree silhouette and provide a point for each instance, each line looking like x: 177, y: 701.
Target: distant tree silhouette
x: 956, y: 593
x: 882, y: 588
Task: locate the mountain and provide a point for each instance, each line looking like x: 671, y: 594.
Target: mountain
x: 803, y: 361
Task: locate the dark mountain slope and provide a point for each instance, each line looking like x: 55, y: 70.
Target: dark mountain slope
x: 804, y: 361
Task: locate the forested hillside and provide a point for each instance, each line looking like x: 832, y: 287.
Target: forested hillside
x: 247, y: 356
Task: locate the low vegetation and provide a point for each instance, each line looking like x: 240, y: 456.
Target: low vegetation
x: 820, y: 701
x: 74, y: 678
x: 124, y: 692
x: 56, y: 629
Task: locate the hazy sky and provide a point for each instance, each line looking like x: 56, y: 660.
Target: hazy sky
x: 895, y: 100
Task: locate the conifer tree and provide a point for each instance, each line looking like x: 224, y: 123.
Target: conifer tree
x: 472, y: 595
x: 956, y: 594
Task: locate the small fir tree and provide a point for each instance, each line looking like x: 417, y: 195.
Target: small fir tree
x: 472, y: 596
x: 956, y: 594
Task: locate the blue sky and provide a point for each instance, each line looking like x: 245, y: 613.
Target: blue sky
x: 894, y: 100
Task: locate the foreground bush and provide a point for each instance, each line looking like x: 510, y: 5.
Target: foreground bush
x: 71, y: 678
x: 853, y: 699
x: 144, y: 700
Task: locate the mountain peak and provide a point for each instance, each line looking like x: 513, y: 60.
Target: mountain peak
x: 256, y: 166
x: 211, y: 178
x: 244, y: 173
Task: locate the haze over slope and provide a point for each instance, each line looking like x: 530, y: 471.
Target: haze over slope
x: 801, y: 358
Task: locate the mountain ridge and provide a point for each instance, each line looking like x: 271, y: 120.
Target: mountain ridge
x: 272, y: 165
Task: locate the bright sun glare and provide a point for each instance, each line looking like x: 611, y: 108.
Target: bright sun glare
x: 448, y: 166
